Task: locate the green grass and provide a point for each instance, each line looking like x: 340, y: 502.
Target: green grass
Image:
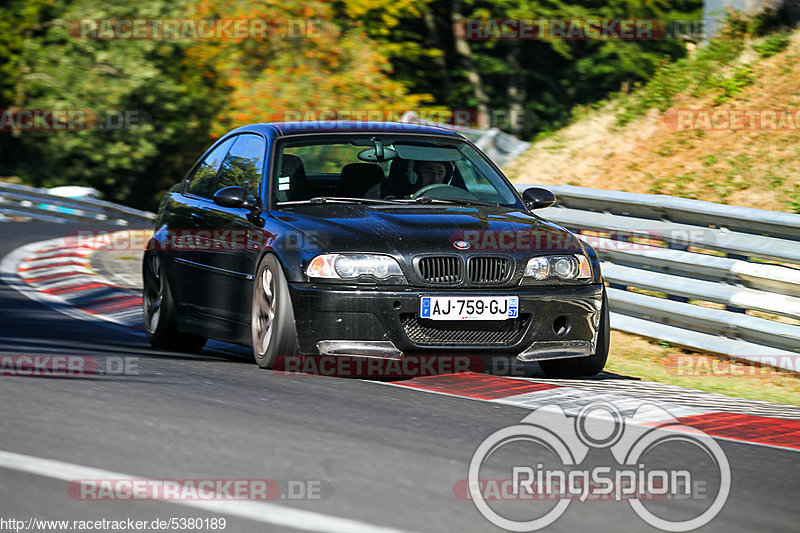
x: 733, y: 84
x: 710, y: 71
x: 637, y: 357
x: 794, y: 200
x: 698, y: 74
x: 709, y: 160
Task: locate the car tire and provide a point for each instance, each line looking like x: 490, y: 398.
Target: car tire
x: 160, y: 311
x: 272, y: 325
x: 583, y: 366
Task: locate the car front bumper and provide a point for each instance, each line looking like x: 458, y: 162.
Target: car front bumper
x: 554, y: 322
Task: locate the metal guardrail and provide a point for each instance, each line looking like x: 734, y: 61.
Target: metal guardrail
x: 710, y: 277
x: 40, y: 204
x: 500, y: 147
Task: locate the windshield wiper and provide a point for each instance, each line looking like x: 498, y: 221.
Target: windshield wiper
x: 376, y: 201
x: 459, y: 201
x: 338, y: 199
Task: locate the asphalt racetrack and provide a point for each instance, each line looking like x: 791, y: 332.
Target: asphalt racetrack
x: 345, y: 454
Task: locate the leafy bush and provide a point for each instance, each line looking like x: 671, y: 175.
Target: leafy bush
x: 733, y: 85
x: 774, y: 44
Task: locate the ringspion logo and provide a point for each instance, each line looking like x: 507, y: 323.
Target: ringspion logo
x: 654, y: 463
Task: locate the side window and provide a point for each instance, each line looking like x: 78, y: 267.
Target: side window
x: 244, y: 165
x: 200, y: 181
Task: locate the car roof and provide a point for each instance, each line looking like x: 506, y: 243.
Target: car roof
x: 282, y: 129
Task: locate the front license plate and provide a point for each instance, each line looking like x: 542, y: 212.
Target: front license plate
x: 469, y: 307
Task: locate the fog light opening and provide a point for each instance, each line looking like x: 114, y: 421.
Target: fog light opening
x: 561, y: 326
x: 396, y: 305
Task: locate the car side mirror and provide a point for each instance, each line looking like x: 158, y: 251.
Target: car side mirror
x: 537, y: 198
x: 233, y: 197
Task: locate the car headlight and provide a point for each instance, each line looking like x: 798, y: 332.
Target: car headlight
x: 352, y: 266
x: 558, y: 267
x: 538, y: 268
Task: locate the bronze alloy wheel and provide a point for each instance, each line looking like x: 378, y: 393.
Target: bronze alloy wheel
x: 272, y: 321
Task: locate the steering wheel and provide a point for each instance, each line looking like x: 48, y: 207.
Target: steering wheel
x: 443, y: 190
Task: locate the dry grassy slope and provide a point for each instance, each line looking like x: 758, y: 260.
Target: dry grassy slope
x: 747, y: 168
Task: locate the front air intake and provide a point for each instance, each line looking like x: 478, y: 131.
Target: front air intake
x: 489, y: 270
x: 441, y: 270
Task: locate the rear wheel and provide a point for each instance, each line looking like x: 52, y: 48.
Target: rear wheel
x: 159, y: 311
x: 272, y: 321
x: 583, y: 366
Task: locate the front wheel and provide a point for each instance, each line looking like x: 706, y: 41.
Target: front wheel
x: 159, y: 311
x: 272, y: 320
x: 583, y: 366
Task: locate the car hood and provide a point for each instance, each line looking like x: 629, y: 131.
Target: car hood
x: 405, y: 230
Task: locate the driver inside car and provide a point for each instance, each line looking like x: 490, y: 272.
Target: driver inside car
x: 431, y: 172
x: 407, y: 180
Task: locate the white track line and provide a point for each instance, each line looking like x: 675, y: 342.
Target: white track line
x: 67, y: 281
x: 264, y: 512
x: 40, y: 263
x: 33, y: 274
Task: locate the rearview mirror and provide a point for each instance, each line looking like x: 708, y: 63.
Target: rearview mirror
x: 372, y: 155
x: 233, y: 197
x: 537, y: 198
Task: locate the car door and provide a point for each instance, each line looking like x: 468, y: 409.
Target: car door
x: 187, y: 218
x: 232, y: 259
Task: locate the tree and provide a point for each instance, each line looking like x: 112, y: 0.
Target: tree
x: 152, y: 80
x: 542, y: 80
x: 326, y: 72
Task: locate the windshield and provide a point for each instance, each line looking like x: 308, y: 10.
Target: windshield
x: 390, y: 169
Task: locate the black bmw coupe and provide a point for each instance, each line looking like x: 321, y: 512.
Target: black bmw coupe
x: 369, y: 239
